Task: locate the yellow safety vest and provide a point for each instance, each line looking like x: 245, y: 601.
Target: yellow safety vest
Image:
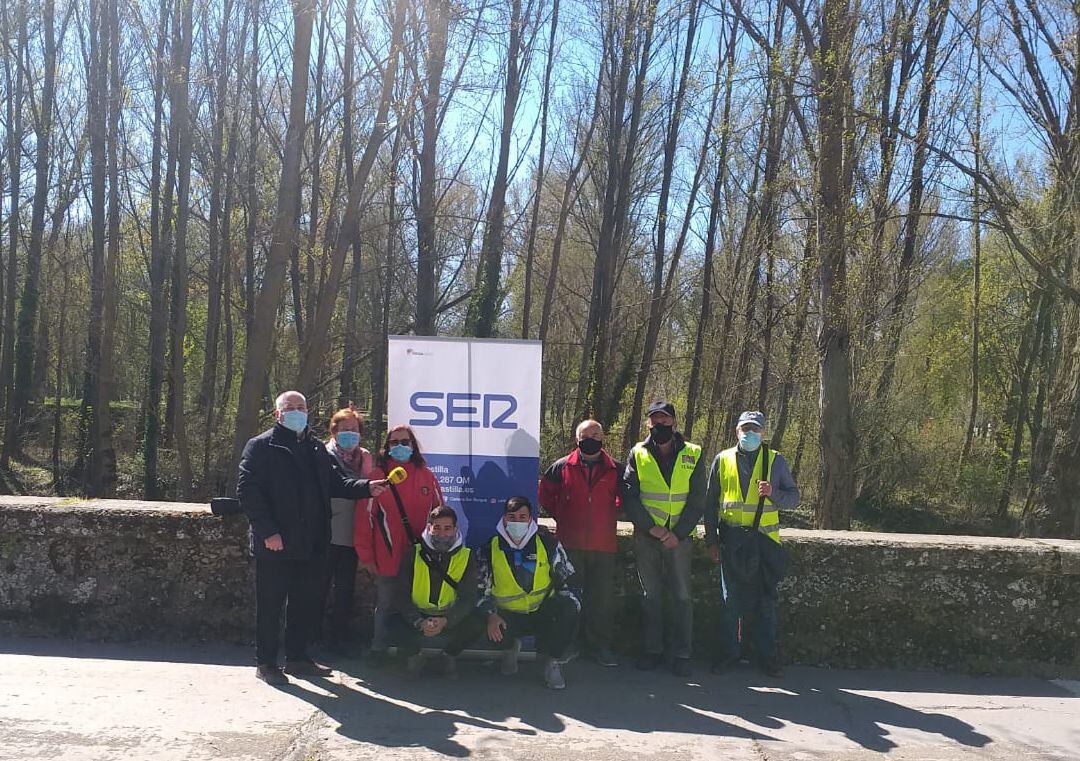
x: 662, y: 500
x: 421, y: 584
x: 507, y: 592
x: 737, y: 509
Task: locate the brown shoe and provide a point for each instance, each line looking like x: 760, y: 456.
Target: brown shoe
x: 306, y: 667
x: 272, y: 675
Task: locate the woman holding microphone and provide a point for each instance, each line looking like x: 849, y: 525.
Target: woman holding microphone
x: 389, y: 525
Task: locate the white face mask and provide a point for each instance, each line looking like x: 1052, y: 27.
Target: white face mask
x: 517, y: 530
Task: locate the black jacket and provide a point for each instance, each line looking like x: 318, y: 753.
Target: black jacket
x: 467, y: 588
x: 630, y: 490
x: 277, y: 488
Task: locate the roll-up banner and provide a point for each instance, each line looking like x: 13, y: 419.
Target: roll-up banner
x: 474, y: 405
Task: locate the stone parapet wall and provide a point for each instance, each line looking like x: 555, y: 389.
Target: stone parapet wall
x: 123, y: 570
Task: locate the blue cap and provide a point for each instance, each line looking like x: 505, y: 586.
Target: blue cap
x: 757, y: 418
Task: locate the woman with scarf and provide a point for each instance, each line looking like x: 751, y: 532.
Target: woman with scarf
x: 435, y: 595
x: 524, y: 572
x: 346, y: 427
x: 389, y: 525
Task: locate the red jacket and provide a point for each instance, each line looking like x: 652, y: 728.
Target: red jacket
x: 583, y: 501
x: 378, y: 519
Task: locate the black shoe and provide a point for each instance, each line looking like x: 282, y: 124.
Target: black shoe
x: 681, y: 667
x: 649, y: 661
x: 723, y: 665
x: 306, y: 667
x: 772, y: 668
x: 272, y: 675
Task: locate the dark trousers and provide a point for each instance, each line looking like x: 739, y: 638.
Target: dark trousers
x: 751, y: 602
x: 660, y: 571
x: 339, y: 587
x: 453, y: 639
x: 293, y: 585
x: 594, y: 572
x: 554, y: 624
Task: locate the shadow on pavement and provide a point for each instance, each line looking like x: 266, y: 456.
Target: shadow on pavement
x: 382, y: 706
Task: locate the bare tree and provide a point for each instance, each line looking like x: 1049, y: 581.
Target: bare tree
x: 260, y: 339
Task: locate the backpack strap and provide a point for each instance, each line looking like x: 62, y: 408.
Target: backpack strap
x: 764, y: 477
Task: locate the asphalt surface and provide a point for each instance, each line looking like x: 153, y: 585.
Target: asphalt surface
x: 62, y: 700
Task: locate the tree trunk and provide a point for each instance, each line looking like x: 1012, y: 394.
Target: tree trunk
x: 379, y: 366
x: 16, y: 95
x: 315, y: 350
x: 939, y: 11
x: 158, y: 269
x: 657, y: 300
x: 438, y: 20
x: 836, y: 434
x: 347, y: 388
x: 95, y: 410
x: 976, y: 236
x: 541, y: 166
x: 178, y: 307
x: 28, y: 305
x: 483, y: 310
x: 217, y: 241
x: 261, y: 337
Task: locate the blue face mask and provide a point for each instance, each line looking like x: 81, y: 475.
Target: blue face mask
x: 400, y: 452
x: 294, y: 420
x: 749, y: 440
x: 347, y: 440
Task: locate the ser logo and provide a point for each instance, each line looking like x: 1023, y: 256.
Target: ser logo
x: 463, y: 410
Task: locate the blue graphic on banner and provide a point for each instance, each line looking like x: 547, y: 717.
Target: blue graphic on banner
x: 477, y: 486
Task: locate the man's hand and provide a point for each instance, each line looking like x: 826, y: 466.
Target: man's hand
x: 274, y: 543
x: 714, y: 553
x: 434, y: 626
x: 671, y: 541
x: 659, y: 532
x: 764, y: 489
x: 495, y: 627
x: 378, y: 487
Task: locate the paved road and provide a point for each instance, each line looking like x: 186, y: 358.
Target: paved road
x: 68, y: 701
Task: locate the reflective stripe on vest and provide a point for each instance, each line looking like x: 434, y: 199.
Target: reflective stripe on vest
x: 507, y: 592
x: 663, y: 501
x: 421, y: 584
x: 735, y: 510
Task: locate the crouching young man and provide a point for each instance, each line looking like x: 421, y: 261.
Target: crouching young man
x: 435, y: 594
x: 524, y: 571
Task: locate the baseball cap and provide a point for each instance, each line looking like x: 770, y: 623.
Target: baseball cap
x: 750, y: 416
x: 661, y: 406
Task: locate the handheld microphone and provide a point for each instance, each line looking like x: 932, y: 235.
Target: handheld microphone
x: 397, y: 475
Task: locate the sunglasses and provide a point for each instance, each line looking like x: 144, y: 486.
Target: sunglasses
x: 403, y: 442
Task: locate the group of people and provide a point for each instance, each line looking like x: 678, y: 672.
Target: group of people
x: 318, y: 510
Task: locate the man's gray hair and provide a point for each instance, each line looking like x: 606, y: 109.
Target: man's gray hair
x: 281, y: 398
x: 585, y: 424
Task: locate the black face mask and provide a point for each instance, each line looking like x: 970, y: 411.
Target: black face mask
x: 590, y: 446
x: 661, y: 434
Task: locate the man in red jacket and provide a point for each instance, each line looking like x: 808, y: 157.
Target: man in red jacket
x: 581, y: 492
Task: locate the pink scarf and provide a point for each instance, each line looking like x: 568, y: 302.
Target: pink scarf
x: 357, y: 460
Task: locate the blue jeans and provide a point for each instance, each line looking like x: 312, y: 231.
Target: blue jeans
x: 752, y: 600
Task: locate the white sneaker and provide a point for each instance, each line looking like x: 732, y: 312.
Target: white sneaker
x: 509, y: 665
x: 553, y: 677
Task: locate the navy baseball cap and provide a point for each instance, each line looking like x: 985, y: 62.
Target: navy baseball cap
x: 661, y: 406
x: 750, y: 416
